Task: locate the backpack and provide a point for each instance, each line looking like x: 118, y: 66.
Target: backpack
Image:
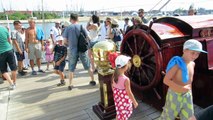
x: 117, y: 35
x: 83, y: 43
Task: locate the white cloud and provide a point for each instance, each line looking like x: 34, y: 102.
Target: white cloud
x: 112, y: 5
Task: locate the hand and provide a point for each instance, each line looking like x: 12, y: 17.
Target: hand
x: 42, y: 48
x: 57, y: 63
x: 27, y: 50
x: 135, y: 104
x: 20, y: 52
x: 187, y: 87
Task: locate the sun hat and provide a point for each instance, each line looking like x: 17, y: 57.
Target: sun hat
x: 121, y: 61
x: 193, y: 44
x: 114, y: 21
x: 58, y: 38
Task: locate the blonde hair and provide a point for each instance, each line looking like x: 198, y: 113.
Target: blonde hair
x: 31, y: 19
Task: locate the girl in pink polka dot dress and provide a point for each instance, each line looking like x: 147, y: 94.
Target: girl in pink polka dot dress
x: 49, y: 53
x: 122, y: 93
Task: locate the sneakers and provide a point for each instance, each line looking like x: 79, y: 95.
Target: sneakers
x: 12, y: 87
x: 34, y: 73
x: 93, y: 83
x: 41, y: 71
x: 22, y: 73
x: 70, y: 87
x: 62, y: 83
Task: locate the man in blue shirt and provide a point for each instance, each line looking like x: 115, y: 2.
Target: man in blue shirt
x: 70, y: 35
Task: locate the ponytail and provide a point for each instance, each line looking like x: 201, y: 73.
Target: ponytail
x: 115, y: 76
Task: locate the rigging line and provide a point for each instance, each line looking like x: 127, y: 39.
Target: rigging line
x: 154, y: 7
x: 164, y: 5
x: 160, y: 9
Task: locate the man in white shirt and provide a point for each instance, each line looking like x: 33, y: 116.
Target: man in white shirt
x: 55, y: 31
x: 126, y: 25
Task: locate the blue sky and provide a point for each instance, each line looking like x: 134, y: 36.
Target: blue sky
x: 111, y: 5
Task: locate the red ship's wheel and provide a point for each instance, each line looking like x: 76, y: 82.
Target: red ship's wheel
x: 145, y: 72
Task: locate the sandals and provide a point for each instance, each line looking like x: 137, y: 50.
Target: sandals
x: 62, y: 83
x: 93, y: 83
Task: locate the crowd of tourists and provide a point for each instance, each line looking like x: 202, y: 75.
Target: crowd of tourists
x: 23, y: 48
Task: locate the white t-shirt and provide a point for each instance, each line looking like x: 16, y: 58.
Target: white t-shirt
x: 93, y: 34
x: 55, y: 32
x: 103, y: 33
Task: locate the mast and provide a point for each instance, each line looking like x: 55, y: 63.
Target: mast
x: 43, y: 19
x: 6, y: 15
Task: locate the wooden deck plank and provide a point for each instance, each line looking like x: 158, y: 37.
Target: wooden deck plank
x: 38, y: 98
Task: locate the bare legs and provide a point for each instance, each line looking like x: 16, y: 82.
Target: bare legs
x: 9, y: 79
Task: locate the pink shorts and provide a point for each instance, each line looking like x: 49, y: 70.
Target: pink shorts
x: 49, y: 58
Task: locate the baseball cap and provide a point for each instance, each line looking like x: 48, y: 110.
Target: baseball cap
x: 121, y: 61
x: 57, y: 22
x: 193, y: 44
x: 58, y: 38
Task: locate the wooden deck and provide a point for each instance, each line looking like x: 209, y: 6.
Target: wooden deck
x: 38, y: 98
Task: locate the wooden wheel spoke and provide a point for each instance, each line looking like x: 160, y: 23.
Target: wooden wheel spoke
x: 148, y: 55
x: 142, y: 46
x: 140, y: 76
x: 145, y: 75
x: 135, y: 43
x: 148, y: 66
x: 133, y: 71
x: 130, y: 48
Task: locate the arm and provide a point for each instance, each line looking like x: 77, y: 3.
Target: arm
x: 85, y: 33
x: 88, y: 24
x: 26, y: 40
x: 95, y: 27
x: 17, y: 46
x: 111, y: 34
x: 9, y: 40
x: 14, y: 41
x: 42, y: 40
x: 129, y: 92
x: 168, y: 80
x: 65, y: 36
x: 51, y: 35
x: 63, y: 58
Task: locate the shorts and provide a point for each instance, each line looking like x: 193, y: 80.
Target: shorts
x: 35, y: 51
x: 7, y: 58
x: 177, y: 104
x: 19, y: 56
x: 60, y: 67
x: 49, y: 58
x: 73, y: 59
x: 92, y: 43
